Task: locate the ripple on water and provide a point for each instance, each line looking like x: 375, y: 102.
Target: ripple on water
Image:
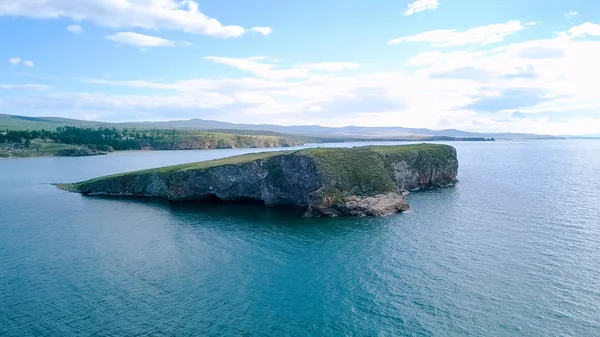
x: 513, y: 249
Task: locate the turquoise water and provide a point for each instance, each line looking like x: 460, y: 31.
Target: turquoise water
x: 512, y: 250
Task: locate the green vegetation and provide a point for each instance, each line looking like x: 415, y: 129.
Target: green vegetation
x: 355, y: 171
x: 358, y: 171
x: 328, y: 181
x: 235, y: 160
x: 366, y: 170
x: 23, y: 123
x: 424, y: 156
x: 35, y: 148
x: 26, y: 143
x: 168, y: 170
x: 134, y: 139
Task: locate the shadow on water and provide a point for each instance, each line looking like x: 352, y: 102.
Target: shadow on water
x: 243, y: 209
x: 247, y: 215
x: 253, y: 218
x: 254, y: 213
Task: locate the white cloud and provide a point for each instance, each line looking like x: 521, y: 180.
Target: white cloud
x: 262, y: 30
x: 147, y: 14
x: 451, y: 37
x: 76, y: 29
x: 544, y: 82
x: 587, y: 28
x: 17, y: 60
x: 571, y: 14
x: 543, y: 79
x: 332, y: 66
x: 139, y: 40
x: 25, y: 86
x: 429, y: 58
x: 258, y: 68
x: 421, y: 5
x: 261, y: 67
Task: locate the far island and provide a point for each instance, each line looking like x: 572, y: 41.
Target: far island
x: 359, y: 181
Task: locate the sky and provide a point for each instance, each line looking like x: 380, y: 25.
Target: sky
x: 488, y: 66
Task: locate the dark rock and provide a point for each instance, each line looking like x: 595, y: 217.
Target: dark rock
x: 78, y: 152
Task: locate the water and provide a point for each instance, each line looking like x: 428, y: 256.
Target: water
x: 513, y: 249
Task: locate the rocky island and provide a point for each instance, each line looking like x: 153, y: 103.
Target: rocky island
x: 359, y: 181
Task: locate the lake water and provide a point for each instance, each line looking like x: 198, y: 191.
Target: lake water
x: 512, y: 250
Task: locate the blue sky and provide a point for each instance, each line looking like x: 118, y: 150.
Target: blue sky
x: 519, y: 66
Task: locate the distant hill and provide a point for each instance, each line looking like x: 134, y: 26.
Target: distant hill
x: 338, y: 132
x: 583, y: 137
x: 21, y: 123
x: 37, y: 123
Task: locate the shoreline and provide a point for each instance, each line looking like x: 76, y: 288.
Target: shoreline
x: 139, y: 151
x: 278, y: 147
x: 359, y: 140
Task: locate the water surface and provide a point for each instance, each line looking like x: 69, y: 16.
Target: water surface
x: 513, y: 249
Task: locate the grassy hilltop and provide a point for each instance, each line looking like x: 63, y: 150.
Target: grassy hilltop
x: 360, y: 181
x: 359, y: 170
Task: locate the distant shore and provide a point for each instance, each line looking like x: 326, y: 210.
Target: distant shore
x: 66, y: 150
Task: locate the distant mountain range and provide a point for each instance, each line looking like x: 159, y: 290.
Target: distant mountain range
x: 583, y: 137
x: 15, y: 122
x: 347, y: 131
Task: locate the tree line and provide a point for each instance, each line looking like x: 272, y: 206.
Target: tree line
x: 125, y: 139
x: 109, y: 139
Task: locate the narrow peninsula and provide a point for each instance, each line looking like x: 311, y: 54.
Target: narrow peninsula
x: 359, y: 181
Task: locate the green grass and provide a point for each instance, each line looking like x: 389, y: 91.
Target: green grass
x: 434, y: 150
x: 423, y: 156
x: 235, y: 160
x: 356, y: 171
x: 37, y: 149
x: 366, y: 170
x: 23, y: 123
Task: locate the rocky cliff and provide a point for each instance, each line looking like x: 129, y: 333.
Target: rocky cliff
x: 221, y: 141
x: 356, y: 181
x: 78, y: 152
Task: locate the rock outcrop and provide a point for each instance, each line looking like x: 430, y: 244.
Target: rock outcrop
x: 360, y: 181
x: 79, y: 152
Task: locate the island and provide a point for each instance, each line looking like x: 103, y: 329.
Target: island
x: 359, y: 181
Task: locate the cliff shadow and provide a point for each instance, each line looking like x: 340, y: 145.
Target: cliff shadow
x: 248, y: 215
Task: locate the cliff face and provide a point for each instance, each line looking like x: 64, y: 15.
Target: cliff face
x: 326, y: 181
x: 78, y: 152
x: 222, y: 141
